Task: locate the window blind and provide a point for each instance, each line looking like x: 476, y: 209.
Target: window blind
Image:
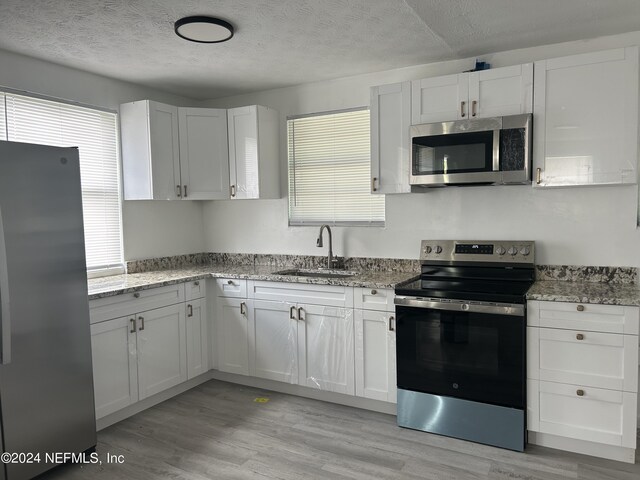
x: 94, y: 132
x: 330, y: 171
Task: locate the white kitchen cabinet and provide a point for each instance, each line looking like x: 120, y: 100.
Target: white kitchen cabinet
x: 171, y: 153
x: 197, y: 335
x: 390, y: 144
x: 486, y: 93
x: 326, y: 348
x: 375, y: 355
x: 233, y: 324
x: 274, y: 341
x: 115, y: 368
x: 162, y: 349
x: 586, y: 119
x: 254, y: 152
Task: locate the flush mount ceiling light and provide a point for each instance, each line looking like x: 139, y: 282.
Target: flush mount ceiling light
x: 203, y: 29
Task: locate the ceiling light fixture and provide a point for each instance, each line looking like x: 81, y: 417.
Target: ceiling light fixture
x: 202, y: 29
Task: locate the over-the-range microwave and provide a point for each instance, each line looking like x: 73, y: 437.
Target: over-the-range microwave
x: 466, y: 152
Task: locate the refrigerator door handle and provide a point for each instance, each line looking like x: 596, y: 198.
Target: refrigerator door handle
x: 5, y: 311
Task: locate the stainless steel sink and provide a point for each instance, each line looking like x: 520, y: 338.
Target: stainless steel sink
x: 301, y: 272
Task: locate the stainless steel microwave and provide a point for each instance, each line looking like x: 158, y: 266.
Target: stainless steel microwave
x: 490, y: 151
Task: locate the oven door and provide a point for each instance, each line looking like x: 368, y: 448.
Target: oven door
x: 470, y: 351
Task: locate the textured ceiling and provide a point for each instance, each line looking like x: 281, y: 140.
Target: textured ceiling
x: 287, y: 42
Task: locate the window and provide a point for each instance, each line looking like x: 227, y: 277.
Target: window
x: 36, y: 120
x: 330, y: 170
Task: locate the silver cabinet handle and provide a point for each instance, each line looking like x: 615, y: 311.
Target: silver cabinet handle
x: 133, y: 325
x: 580, y: 308
x: 538, y: 176
x: 580, y: 393
x: 474, y: 104
x: 233, y: 191
x: 136, y: 295
x: 462, y: 104
x: 300, y: 312
x: 243, y: 308
x: 189, y: 310
x: 141, y: 323
x: 292, y: 313
x: 392, y: 323
x: 580, y: 336
x: 179, y: 191
x: 373, y: 184
x: 196, y: 283
x: 185, y: 191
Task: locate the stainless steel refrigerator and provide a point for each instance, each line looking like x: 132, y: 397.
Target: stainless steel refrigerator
x: 46, y: 379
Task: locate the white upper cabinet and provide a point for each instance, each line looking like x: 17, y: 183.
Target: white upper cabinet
x: 390, y: 148
x: 171, y: 153
x: 204, y: 166
x: 486, y: 93
x: 254, y: 152
x: 586, y: 119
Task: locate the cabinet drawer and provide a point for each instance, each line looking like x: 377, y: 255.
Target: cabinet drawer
x: 195, y: 289
x: 128, y: 303
x: 584, y: 316
x: 602, y: 416
x: 373, y: 299
x: 603, y: 360
x: 231, y: 287
x: 328, y: 295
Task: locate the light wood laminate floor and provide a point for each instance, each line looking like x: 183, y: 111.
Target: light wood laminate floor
x: 218, y: 431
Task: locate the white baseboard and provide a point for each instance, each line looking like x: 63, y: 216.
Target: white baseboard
x: 621, y: 454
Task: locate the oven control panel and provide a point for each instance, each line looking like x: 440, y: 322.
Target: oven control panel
x: 505, y: 251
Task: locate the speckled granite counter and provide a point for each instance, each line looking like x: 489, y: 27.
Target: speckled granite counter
x: 585, y: 292
x: 118, y: 284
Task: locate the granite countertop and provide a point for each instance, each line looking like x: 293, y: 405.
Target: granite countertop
x: 127, y: 283
x: 585, y: 292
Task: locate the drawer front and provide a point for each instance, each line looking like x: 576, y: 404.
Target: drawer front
x: 195, y: 289
x: 231, y: 287
x: 129, y: 303
x: 329, y: 295
x: 584, y: 316
x: 603, y: 360
x: 598, y: 415
x: 373, y: 299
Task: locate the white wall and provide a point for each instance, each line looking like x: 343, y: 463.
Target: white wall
x: 582, y: 226
x: 149, y: 228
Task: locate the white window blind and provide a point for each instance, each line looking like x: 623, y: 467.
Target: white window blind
x: 330, y: 170
x: 94, y: 132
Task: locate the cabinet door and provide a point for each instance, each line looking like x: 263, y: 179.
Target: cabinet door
x: 233, y: 326
x: 115, y: 371
x: 501, y: 91
x: 243, y: 152
x: 274, y: 341
x: 197, y: 344
x: 165, y: 153
x: 586, y: 122
x: 440, y: 99
x: 204, y: 156
x: 162, y: 352
x: 325, y: 348
x: 390, y: 146
x: 375, y: 355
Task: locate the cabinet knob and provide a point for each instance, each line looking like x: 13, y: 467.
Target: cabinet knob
x: 230, y: 282
x: 580, y: 308
x: 136, y: 295
x: 580, y: 336
x: 196, y: 283
x: 374, y: 292
x: 580, y: 393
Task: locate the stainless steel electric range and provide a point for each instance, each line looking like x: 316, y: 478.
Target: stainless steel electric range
x: 460, y: 341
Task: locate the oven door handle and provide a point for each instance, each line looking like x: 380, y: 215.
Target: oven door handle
x: 496, y: 309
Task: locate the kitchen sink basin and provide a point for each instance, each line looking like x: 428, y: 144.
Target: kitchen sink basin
x: 300, y: 272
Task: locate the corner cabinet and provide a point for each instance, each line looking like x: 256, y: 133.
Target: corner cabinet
x: 254, y: 152
x: 171, y: 153
x: 586, y: 119
x: 390, y: 147
x: 486, y: 93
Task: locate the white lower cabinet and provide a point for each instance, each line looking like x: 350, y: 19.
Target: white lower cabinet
x: 197, y: 335
x: 375, y: 355
x: 233, y: 326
